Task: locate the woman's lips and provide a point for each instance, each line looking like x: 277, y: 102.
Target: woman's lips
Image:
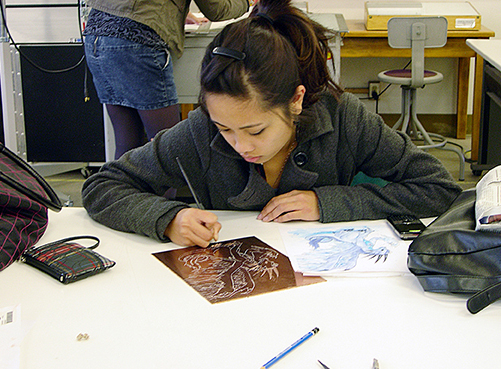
x: 251, y: 159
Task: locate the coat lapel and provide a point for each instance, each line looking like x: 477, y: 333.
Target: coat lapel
x: 256, y: 193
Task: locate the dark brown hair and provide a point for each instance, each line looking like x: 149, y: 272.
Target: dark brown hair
x: 283, y: 49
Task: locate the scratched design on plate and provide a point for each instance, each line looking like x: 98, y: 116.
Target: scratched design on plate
x: 231, y: 269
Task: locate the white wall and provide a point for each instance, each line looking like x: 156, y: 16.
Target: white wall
x: 490, y: 10
x: 434, y: 99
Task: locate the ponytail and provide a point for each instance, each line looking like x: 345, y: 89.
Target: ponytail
x: 280, y: 48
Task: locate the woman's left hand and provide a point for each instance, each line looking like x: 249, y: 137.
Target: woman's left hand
x: 294, y: 205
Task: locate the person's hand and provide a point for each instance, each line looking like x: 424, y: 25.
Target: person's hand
x: 193, y: 19
x: 193, y: 227
x: 294, y: 205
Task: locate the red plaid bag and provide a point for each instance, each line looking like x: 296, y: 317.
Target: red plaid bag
x: 24, y: 199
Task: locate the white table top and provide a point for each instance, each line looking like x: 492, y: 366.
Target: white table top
x: 490, y: 50
x: 140, y: 314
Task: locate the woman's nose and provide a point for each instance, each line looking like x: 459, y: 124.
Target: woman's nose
x: 243, y: 146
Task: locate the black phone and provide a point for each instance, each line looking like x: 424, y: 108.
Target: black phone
x: 407, y: 227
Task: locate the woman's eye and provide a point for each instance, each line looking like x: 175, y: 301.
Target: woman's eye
x: 256, y: 133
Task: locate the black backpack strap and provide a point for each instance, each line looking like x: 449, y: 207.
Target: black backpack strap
x: 484, y: 298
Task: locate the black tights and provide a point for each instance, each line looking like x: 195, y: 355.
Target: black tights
x: 133, y: 128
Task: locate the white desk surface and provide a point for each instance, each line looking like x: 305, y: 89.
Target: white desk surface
x: 139, y: 314
x: 490, y: 50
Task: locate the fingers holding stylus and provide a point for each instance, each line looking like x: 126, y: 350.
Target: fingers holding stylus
x: 193, y: 227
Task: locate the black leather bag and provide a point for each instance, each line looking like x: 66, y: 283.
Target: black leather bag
x: 451, y: 257
x: 24, y: 199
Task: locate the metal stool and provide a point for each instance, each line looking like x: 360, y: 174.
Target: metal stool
x: 418, y: 33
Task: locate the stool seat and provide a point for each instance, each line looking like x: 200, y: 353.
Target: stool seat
x: 404, y: 76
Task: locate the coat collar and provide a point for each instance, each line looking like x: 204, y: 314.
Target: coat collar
x: 320, y: 120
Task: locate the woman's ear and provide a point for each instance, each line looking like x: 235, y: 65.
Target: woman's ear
x: 296, y: 105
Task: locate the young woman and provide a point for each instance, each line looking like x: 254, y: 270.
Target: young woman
x: 273, y: 134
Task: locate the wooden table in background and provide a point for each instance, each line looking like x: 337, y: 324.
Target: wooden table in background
x: 360, y: 43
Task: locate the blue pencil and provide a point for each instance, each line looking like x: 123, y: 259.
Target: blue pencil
x: 290, y: 348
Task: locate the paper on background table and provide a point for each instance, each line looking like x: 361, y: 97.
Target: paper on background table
x: 213, y: 26
x: 339, y: 249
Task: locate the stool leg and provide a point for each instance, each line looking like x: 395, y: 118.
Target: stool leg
x: 417, y: 124
x: 433, y: 144
x: 461, y: 158
x: 406, y: 113
x: 402, y: 112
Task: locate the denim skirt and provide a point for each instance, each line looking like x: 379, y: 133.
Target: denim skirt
x: 130, y: 74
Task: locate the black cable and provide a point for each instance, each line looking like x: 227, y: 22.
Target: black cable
x: 35, y: 65
x: 86, y: 69
x: 375, y: 96
x: 86, y: 89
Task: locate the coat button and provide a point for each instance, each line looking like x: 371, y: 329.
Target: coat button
x: 300, y: 159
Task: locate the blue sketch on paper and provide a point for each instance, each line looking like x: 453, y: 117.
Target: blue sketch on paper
x: 340, y: 249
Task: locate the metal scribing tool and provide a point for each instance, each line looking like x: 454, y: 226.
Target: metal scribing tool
x: 199, y: 204
x: 323, y: 365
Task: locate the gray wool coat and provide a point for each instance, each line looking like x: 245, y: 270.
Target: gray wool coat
x: 344, y: 139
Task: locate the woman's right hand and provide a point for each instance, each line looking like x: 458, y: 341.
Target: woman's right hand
x: 193, y: 19
x: 193, y: 227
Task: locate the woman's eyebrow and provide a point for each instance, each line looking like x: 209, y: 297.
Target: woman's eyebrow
x: 244, y: 127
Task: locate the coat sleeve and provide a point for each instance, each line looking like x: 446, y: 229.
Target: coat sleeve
x: 417, y: 183
x: 128, y: 194
x: 220, y: 10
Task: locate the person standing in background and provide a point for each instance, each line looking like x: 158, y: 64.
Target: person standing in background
x: 128, y: 46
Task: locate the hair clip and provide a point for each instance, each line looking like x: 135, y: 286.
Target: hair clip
x: 267, y: 17
x: 230, y: 53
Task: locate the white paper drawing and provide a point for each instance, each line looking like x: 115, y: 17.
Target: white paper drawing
x: 335, y: 249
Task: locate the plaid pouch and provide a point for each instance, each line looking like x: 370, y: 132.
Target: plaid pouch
x: 67, y: 261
